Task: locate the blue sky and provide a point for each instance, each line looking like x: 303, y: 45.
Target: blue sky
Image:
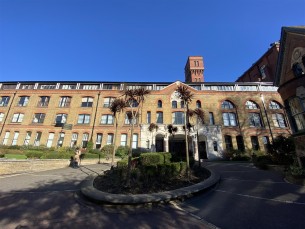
x: 137, y: 40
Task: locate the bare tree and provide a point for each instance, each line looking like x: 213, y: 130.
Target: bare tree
x: 186, y: 96
x: 116, y: 107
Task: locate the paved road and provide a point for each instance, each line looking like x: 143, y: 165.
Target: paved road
x: 50, y: 200
x: 245, y: 198
x: 250, y: 198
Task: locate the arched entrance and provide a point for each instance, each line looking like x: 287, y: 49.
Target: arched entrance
x: 177, y: 147
x: 160, y: 143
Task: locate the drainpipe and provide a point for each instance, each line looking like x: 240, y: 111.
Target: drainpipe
x: 94, y: 119
x: 9, y: 108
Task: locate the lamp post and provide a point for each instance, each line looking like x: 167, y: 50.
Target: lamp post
x: 264, y: 106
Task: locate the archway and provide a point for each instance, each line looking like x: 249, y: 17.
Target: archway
x: 177, y: 147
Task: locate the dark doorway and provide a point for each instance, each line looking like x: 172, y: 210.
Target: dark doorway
x: 159, y: 145
x: 202, y: 150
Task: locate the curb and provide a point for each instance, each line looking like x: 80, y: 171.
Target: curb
x: 98, y: 196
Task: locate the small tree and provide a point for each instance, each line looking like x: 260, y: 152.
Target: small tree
x: 134, y: 99
x: 152, y: 127
x: 116, y: 108
x: 198, y: 113
x: 186, y: 96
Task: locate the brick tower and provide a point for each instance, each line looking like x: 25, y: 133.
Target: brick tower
x: 194, y: 69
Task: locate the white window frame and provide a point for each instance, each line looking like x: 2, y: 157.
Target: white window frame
x: 27, y: 138
x: 15, y: 138
x: 6, y: 137
x: 123, y: 140
x: 50, y: 139
x: 17, y: 118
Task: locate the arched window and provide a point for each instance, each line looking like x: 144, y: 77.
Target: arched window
x: 174, y: 104
x: 227, y: 105
x: 274, y: 105
x: 198, y: 104
x: 251, y: 105
x: 159, y: 104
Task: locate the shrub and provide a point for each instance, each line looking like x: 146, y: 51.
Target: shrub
x: 296, y: 171
x: 107, y: 150
x: 33, y: 154
x: 241, y: 158
x: 122, y: 151
x: 56, y: 155
x: 167, y: 157
x: 65, y: 150
x: 175, y: 168
x: 151, y: 158
x: 122, y: 164
x: 94, y: 151
x: 183, y: 167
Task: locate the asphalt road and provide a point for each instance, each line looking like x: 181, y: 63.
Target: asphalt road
x: 50, y: 200
x: 245, y: 198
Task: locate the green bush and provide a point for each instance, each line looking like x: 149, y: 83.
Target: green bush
x: 56, y: 155
x: 107, y: 150
x: 122, y: 151
x: 11, y: 151
x: 183, y: 167
x: 151, y: 158
x: 241, y: 158
x: 175, y: 168
x: 122, y: 164
x: 33, y: 154
x: 65, y: 150
x: 296, y: 171
x: 167, y: 157
x: 94, y: 151
x: 262, y: 162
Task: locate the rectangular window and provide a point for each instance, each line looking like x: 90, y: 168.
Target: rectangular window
x: 107, y: 119
x: 1, y: 116
x: 129, y: 119
x: 50, y: 140
x: 87, y: 102
x: 68, y: 86
x: 109, y: 139
x: 23, y: 101
x: 27, y: 138
x: 43, y: 101
x: 135, y: 141
x: 85, y: 140
x: 255, y: 120
x: 74, y: 140
x: 178, y: 118
x: 83, y: 119
x: 108, y: 101
x: 17, y: 118
x: 60, y: 139
x: 6, y: 136
x: 148, y: 117
x: 255, y: 144
x: 39, y: 118
x: 37, y: 139
x: 123, y: 139
x: 240, y: 143
x: 228, y: 141
x: 4, y: 100
x: 98, y: 142
x: 15, y: 138
x: 61, y: 118
x: 229, y: 119
x: 211, y: 118
x: 159, y: 117
x: 64, y: 101
x: 278, y: 120
x: 47, y: 86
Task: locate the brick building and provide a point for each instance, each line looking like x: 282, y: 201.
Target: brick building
x: 264, y: 69
x: 238, y: 115
x: 290, y: 78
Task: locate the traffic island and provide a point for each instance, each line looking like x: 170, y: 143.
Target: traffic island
x: 97, y: 196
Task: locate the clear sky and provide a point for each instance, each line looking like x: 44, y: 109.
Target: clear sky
x: 137, y: 40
